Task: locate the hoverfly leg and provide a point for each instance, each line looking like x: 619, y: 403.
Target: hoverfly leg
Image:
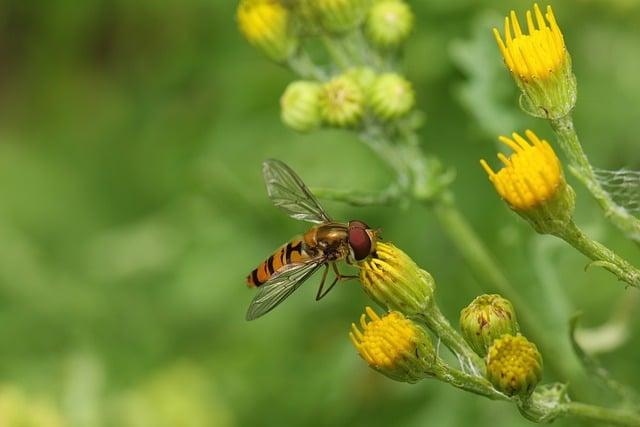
x: 320, y: 294
x: 341, y: 276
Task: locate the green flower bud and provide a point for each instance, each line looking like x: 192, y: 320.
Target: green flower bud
x: 393, y: 280
x: 299, y: 106
x: 487, y: 318
x: 364, y: 76
x: 342, y: 102
x: 339, y: 16
x: 391, y: 96
x: 389, y: 23
x: 266, y: 24
x: 395, y: 346
x: 514, y: 365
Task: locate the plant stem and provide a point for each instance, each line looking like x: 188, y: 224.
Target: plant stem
x: 596, y: 413
x: 600, y: 254
x: 337, y: 50
x: 471, y: 383
x: 581, y: 169
x: 438, y: 323
x: 303, y: 65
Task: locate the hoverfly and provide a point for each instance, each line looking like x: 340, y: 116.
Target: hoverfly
x: 323, y: 245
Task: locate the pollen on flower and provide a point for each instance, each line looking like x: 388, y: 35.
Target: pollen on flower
x: 535, y: 55
x: 530, y: 176
x: 383, y: 340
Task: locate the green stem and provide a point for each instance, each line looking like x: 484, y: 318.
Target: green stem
x: 596, y: 413
x: 301, y: 64
x: 337, y: 51
x: 600, y: 254
x: 480, y: 261
x: 438, y: 323
x: 471, y: 383
x: 581, y: 169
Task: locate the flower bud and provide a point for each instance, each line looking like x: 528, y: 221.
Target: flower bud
x: 532, y: 183
x: 391, y: 96
x: 299, y: 106
x: 339, y: 16
x: 266, y: 24
x: 540, y: 64
x: 342, y: 102
x: 394, y: 346
x: 389, y: 23
x: 487, y: 318
x: 514, y: 365
x: 393, y: 280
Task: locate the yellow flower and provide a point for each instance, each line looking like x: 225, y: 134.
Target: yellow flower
x: 393, y: 345
x: 392, y: 279
x: 530, y: 176
x: 266, y: 24
x: 539, y: 62
x: 514, y: 365
x: 532, y: 183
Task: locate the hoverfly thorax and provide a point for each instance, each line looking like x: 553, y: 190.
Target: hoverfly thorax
x: 362, y: 240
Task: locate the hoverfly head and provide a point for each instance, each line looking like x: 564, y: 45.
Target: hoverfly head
x: 362, y: 239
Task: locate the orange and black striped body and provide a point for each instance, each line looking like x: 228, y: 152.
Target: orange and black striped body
x: 292, y: 252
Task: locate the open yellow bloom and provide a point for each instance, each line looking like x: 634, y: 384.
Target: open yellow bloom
x: 532, y: 183
x: 266, y: 25
x: 384, y: 339
x: 514, y: 365
x: 530, y: 176
x: 394, y: 346
x: 539, y: 62
x: 537, y: 54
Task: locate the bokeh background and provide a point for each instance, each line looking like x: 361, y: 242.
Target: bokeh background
x: 132, y: 207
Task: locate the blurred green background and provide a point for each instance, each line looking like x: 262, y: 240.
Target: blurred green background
x: 132, y: 207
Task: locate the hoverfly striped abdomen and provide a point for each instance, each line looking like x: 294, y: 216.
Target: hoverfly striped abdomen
x: 292, y: 252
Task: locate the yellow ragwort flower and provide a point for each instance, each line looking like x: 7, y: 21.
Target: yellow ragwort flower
x: 537, y: 54
x: 394, y: 345
x: 539, y: 62
x: 532, y: 183
x: 530, y: 176
x: 392, y: 279
x: 514, y: 365
x: 266, y: 25
x: 384, y: 340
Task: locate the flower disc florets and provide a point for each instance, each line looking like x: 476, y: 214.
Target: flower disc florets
x: 393, y: 345
x: 266, y: 24
x: 342, y: 102
x: 514, y: 365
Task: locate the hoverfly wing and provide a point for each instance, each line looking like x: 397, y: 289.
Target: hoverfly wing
x: 281, y: 285
x: 287, y: 191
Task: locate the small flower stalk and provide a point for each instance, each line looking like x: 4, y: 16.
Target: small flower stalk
x: 391, y: 96
x: 392, y: 279
x: 300, y: 107
x: 539, y: 63
x: 394, y: 346
x: 486, y: 319
x: 267, y: 25
x: 514, y: 365
x: 532, y: 183
x: 342, y: 102
x: 389, y: 23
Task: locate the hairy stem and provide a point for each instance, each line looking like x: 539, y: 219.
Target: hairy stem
x: 582, y: 169
x: 616, y: 417
x: 600, y: 254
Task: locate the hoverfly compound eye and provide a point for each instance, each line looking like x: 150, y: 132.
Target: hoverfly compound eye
x: 359, y: 240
